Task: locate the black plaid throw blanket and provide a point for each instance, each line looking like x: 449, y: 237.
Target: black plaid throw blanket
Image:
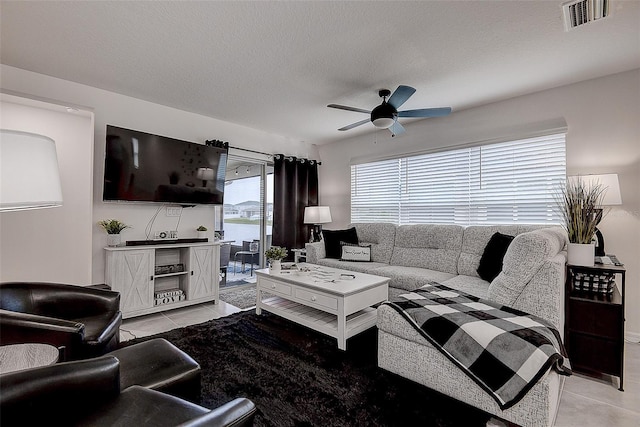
x: 505, y: 351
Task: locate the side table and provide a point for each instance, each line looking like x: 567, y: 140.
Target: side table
x: 15, y: 357
x: 594, y: 324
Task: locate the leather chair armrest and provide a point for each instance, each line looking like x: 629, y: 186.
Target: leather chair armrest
x: 66, y: 301
x: 236, y: 413
x: 66, y: 390
x: 17, y: 328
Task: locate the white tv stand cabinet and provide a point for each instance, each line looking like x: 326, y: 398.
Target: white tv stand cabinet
x: 140, y: 272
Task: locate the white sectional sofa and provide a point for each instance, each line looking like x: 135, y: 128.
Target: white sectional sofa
x: 531, y: 280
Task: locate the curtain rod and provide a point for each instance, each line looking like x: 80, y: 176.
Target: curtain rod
x: 251, y: 151
x: 266, y: 154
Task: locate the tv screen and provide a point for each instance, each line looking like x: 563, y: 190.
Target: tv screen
x: 141, y: 167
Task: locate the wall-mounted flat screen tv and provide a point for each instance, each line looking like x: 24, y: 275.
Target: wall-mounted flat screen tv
x: 141, y: 167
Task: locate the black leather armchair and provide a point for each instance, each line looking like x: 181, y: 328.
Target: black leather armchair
x: 87, y: 393
x: 82, y: 321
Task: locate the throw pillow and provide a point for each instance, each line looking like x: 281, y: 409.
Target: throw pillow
x: 491, y: 260
x: 355, y: 252
x: 332, y: 239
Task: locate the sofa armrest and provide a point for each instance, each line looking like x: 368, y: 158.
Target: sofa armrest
x: 236, y: 413
x: 315, y: 251
x: 32, y: 396
x: 17, y: 328
x: 532, y: 276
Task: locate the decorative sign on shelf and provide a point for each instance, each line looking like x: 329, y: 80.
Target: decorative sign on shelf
x: 168, y: 296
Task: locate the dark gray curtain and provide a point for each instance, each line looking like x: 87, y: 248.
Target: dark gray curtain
x: 295, y: 186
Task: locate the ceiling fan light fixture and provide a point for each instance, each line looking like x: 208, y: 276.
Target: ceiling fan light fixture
x: 383, y: 122
x: 384, y: 116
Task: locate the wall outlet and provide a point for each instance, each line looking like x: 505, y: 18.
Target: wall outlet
x: 174, y: 211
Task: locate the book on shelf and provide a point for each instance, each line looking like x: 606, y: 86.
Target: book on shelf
x: 168, y: 269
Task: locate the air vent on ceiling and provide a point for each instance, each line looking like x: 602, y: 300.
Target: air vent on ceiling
x: 580, y: 12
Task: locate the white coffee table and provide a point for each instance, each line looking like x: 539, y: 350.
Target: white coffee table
x: 329, y: 300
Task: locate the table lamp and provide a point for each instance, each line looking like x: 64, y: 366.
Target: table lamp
x: 29, y: 171
x: 205, y: 174
x: 316, y: 215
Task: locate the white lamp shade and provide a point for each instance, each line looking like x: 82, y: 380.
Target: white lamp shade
x: 29, y: 176
x: 609, y: 183
x: 317, y: 215
x: 205, y: 174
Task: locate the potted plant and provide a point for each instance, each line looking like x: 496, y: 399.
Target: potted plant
x: 202, y: 232
x: 113, y: 227
x: 580, y: 205
x: 275, y: 255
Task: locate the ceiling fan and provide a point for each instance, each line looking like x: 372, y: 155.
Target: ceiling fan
x: 385, y: 115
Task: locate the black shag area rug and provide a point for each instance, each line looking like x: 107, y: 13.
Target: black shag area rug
x: 299, y: 377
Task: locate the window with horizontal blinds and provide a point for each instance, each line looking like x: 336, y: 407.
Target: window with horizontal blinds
x: 502, y: 183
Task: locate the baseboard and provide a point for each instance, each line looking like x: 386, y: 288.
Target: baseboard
x: 632, y: 336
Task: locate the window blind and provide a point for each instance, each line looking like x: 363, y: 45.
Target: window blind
x: 501, y: 183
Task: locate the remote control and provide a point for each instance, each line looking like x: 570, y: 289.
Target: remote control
x: 615, y: 260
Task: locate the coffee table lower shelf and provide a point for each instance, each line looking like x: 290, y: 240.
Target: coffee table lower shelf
x: 319, y: 320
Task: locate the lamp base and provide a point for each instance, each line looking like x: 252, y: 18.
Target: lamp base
x: 599, y: 243
x: 316, y: 233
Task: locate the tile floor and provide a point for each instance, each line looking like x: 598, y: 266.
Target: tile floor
x: 586, y: 402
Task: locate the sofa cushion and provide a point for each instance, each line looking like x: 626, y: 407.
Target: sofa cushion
x: 361, y: 267
x: 475, y: 239
x: 491, y: 260
x: 381, y: 236
x: 410, y: 278
x: 430, y: 246
x: 469, y: 284
x: 355, y: 252
x: 524, y: 258
x: 332, y: 239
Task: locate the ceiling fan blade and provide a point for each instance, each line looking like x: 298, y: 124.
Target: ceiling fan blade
x: 396, y: 129
x: 356, y: 124
x: 344, y: 107
x: 400, y: 96
x: 426, y: 112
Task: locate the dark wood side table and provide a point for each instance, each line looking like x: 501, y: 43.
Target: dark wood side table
x: 15, y: 357
x: 594, y: 324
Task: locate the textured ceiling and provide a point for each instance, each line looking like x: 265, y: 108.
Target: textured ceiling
x: 274, y: 66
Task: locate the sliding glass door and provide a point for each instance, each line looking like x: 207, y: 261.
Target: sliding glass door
x: 247, y: 217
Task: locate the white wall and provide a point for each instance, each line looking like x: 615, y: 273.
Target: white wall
x: 52, y: 245
x: 132, y: 113
x: 603, y: 118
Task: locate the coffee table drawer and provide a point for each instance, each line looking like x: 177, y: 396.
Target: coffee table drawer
x: 278, y: 287
x: 317, y: 298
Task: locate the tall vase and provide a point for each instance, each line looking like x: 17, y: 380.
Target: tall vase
x: 113, y: 239
x: 275, y: 265
x: 582, y: 254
